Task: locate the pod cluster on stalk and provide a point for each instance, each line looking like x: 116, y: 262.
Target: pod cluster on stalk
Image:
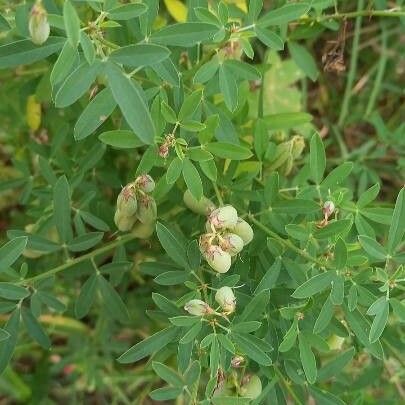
x: 135, y: 204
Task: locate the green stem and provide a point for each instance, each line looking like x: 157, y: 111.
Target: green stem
x: 218, y: 194
x: 380, y: 71
x: 286, y: 385
x: 363, y: 13
x: 353, y: 66
x: 88, y: 256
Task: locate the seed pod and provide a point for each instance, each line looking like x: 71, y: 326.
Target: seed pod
x: 287, y: 166
x: 244, y: 230
x: 219, y: 260
x: 126, y: 201
x: 145, y: 183
x: 198, y: 308
x: 251, y: 387
x: 223, y: 217
x: 123, y: 222
x: 38, y: 25
x: 147, y: 211
x: 143, y: 231
x: 328, y: 208
x: 335, y: 342
x: 226, y: 299
x: 298, y: 145
x: 204, y: 243
x: 204, y: 206
x: 231, y: 243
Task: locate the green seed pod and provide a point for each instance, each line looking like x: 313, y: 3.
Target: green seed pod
x: 147, y: 210
x: 223, y: 217
x: 231, y: 243
x: 126, y: 201
x: 198, y: 308
x: 145, y: 183
x: 286, y: 168
x: 328, y: 208
x: 244, y: 230
x: 123, y: 222
x: 38, y: 25
x: 298, y: 145
x: 219, y: 260
x: 226, y: 299
x: 204, y: 206
x: 251, y: 387
x: 335, y: 342
x: 143, y: 231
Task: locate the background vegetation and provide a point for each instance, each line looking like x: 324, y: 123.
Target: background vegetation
x: 274, y: 108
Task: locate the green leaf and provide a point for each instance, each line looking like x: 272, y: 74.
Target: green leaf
x: 3, y: 335
x: 171, y: 278
x: 112, y: 300
x: 121, y: 139
x: 184, y: 34
x: 289, y: 338
x: 340, y: 254
x: 86, y: 296
x: 269, y: 279
x: 165, y: 305
x: 72, y: 23
x: 167, y: 374
x: 209, y: 168
x: 255, y: 307
x: 307, y: 359
x: 287, y: 120
x: 184, y: 320
x: 149, y: 345
x: 7, y: 346
x: 198, y: 154
x: 337, y: 175
x: 352, y: 298
x: 126, y: 11
x: 173, y: 247
x: 61, y: 209
x: 64, y: 63
x: 283, y: 15
x: 226, y: 150
x: 11, y: 251
x: 324, y: 397
x: 324, y: 317
x: 333, y: 229
x: 94, y: 221
x: 85, y: 241
x: 77, y: 83
x: 139, y: 55
x: 373, y: 248
x: 314, y: 285
x: 338, y: 290
x: 380, y: 321
x: 248, y: 347
x: 88, y: 48
x: 317, y: 158
x: 11, y: 291
x: 242, y: 69
x: 34, y: 329
x: 4, y: 25
x: 304, y: 60
x: 246, y: 327
x: 368, y: 196
x: 295, y: 206
x: 398, y: 308
x: 165, y: 393
x: 226, y: 343
x: 397, y: 227
x: 228, y: 87
x: 174, y: 170
x: 207, y: 71
x: 94, y: 115
x: 191, y: 333
x: 335, y: 366
x: 131, y: 101
x: 25, y: 51
x: 190, y: 105
x: 192, y: 179
x: 269, y: 38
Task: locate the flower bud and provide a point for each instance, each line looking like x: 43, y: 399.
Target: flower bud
x: 328, y: 208
x: 251, y: 387
x: 244, y: 230
x: 38, y: 25
x: 223, y: 217
x: 231, y: 243
x: 145, y: 183
x: 204, y: 206
x: 219, y: 260
x: 123, y: 222
x: 237, y: 361
x: 126, y: 201
x: 298, y: 145
x: 226, y: 299
x: 198, y: 308
x: 147, y: 211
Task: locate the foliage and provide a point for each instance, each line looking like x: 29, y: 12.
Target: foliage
x: 211, y: 100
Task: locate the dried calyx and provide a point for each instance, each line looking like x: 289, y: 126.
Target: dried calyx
x: 133, y: 204
x: 225, y: 238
